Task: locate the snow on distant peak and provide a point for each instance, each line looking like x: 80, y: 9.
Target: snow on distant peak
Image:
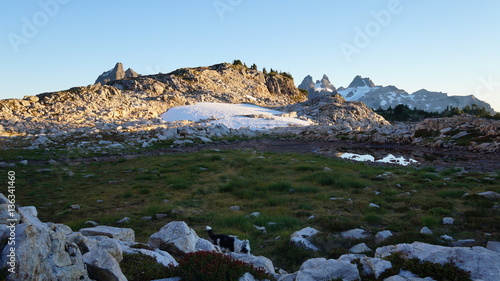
x: 354, y: 94
x: 233, y: 116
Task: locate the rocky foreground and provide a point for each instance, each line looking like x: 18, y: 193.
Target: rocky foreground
x: 48, y: 251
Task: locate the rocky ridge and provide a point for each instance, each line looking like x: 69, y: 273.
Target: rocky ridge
x: 126, y: 113
x: 48, y: 251
x: 142, y: 99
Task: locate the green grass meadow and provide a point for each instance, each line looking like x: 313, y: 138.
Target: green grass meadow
x: 290, y: 191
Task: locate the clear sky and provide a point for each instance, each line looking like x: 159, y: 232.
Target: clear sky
x: 447, y: 46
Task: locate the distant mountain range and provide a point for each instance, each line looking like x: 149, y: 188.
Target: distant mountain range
x: 364, y: 90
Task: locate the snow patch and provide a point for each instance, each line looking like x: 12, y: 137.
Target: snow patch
x: 391, y: 159
x: 232, y: 115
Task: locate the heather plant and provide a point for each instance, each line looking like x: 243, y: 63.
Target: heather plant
x: 212, y: 266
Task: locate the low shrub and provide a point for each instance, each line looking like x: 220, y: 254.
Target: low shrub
x: 423, y: 269
x: 138, y: 267
x: 430, y: 221
x: 212, y: 266
x: 451, y: 193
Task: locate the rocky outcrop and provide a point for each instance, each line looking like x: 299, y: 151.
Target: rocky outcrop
x: 41, y: 250
x: 116, y: 73
x: 336, y: 112
x: 461, y: 132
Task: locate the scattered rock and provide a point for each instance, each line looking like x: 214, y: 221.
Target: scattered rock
x: 355, y: 234
x: 235, y: 208
x: 381, y: 236
x: 91, y: 223
x: 123, y: 220
x: 372, y: 205
x: 161, y: 216
x: 302, y: 238
x: 75, y: 207
x: 446, y: 237
x: 448, y: 221
x: 360, y: 248
x: 490, y: 195
x: 255, y: 214
x: 260, y: 228
x: 425, y: 230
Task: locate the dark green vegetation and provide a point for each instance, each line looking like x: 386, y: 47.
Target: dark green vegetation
x: 210, y: 266
x: 403, y: 113
x: 287, y: 190
x: 423, y: 269
x: 198, y: 266
x: 272, y: 72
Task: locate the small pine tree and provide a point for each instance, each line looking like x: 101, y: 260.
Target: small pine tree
x: 237, y: 62
x: 264, y: 70
x: 254, y: 66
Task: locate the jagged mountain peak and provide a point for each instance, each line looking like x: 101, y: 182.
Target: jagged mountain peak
x: 358, y: 81
x: 325, y: 83
x: 319, y: 88
x: 307, y: 83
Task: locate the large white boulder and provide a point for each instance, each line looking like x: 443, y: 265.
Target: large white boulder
x: 323, y: 269
x: 102, y: 266
x: 302, y: 238
x: 175, y: 237
x: 383, y: 235
x: 483, y: 264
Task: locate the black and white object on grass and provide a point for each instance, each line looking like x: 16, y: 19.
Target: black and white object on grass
x: 229, y: 243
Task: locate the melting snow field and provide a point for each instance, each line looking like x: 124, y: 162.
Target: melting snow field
x: 391, y: 159
x: 232, y: 115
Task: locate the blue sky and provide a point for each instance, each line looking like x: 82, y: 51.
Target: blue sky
x: 446, y: 46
